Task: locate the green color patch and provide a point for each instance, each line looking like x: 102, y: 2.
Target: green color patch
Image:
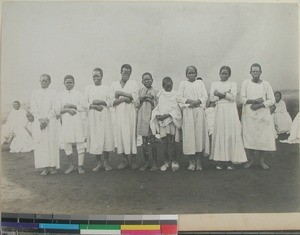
x: 100, y: 226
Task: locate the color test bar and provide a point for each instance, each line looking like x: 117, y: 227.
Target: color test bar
x: 92, y: 224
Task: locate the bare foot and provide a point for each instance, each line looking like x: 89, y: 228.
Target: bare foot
x: 45, y: 172
x: 53, y: 171
x: 80, y: 170
x: 198, y: 165
x: 264, y: 166
x: 69, y: 170
x: 249, y: 163
x: 97, y: 168
x: 122, y: 165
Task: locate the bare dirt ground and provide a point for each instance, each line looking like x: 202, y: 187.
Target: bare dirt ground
x: 136, y: 192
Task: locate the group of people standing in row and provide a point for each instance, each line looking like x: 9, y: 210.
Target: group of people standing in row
x: 117, y: 114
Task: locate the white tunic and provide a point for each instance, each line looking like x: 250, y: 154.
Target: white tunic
x: 125, y: 118
x: 100, y: 136
x: 282, y: 118
x: 194, y: 128
x: 72, y: 126
x: 227, y: 143
x: 46, y: 151
x: 257, y: 126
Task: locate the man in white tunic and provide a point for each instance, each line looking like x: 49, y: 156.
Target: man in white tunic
x: 257, y: 126
x: 70, y: 104
x: 192, y: 97
x: 126, y: 93
x: 46, y: 152
x: 100, y: 137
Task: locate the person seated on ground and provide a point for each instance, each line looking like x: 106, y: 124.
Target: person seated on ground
x: 282, y: 118
x: 14, y: 132
x: 294, y: 137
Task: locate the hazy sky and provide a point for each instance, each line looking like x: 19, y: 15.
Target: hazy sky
x: 63, y: 38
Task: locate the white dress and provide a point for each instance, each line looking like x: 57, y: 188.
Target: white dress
x: 195, y: 137
x: 46, y: 150
x: 227, y: 143
x: 257, y: 126
x: 15, y: 124
x: 282, y: 118
x: 125, y: 119
x: 100, y: 136
x: 72, y: 126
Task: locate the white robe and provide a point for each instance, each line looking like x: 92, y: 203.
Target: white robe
x: 227, y: 143
x: 294, y: 137
x: 195, y: 137
x: 282, y: 118
x: 46, y: 151
x: 15, y: 125
x: 100, y: 136
x: 167, y: 104
x: 72, y: 126
x: 125, y: 118
x: 257, y: 126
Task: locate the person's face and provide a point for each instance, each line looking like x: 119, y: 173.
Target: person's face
x: 191, y: 74
x: 224, y: 75
x: 16, y: 105
x: 277, y: 97
x: 168, y: 86
x: 45, y: 82
x: 30, y: 118
x: 69, y: 84
x: 255, y: 72
x: 147, y: 81
x: 97, y: 77
x: 125, y: 74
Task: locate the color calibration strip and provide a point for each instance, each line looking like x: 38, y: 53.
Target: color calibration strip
x: 92, y: 224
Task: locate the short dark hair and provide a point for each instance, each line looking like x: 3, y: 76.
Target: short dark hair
x: 147, y: 73
x: 255, y: 65
x: 98, y: 70
x: 199, y: 78
x: 278, y: 92
x: 191, y: 66
x: 16, y: 101
x: 126, y: 66
x: 46, y: 75
x: 167, y: 79
x: 69, y: 77
x: 226, y: 68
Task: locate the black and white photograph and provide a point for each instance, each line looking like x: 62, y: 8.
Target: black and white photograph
x: 112, y: 108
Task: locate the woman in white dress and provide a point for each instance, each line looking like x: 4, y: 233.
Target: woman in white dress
x: 282, y: 118
x: 192, y: 97
x: 227, y: 143
x: 100, y: 138
x: 257, y: 126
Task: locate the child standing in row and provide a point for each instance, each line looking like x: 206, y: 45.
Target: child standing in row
x: 166, y: 120
x: 100, y: 139
x: 126, y: 93
x: 147, y: 102
x: 192, y: 97
x: 227, y: 143
x: 70, y: 104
